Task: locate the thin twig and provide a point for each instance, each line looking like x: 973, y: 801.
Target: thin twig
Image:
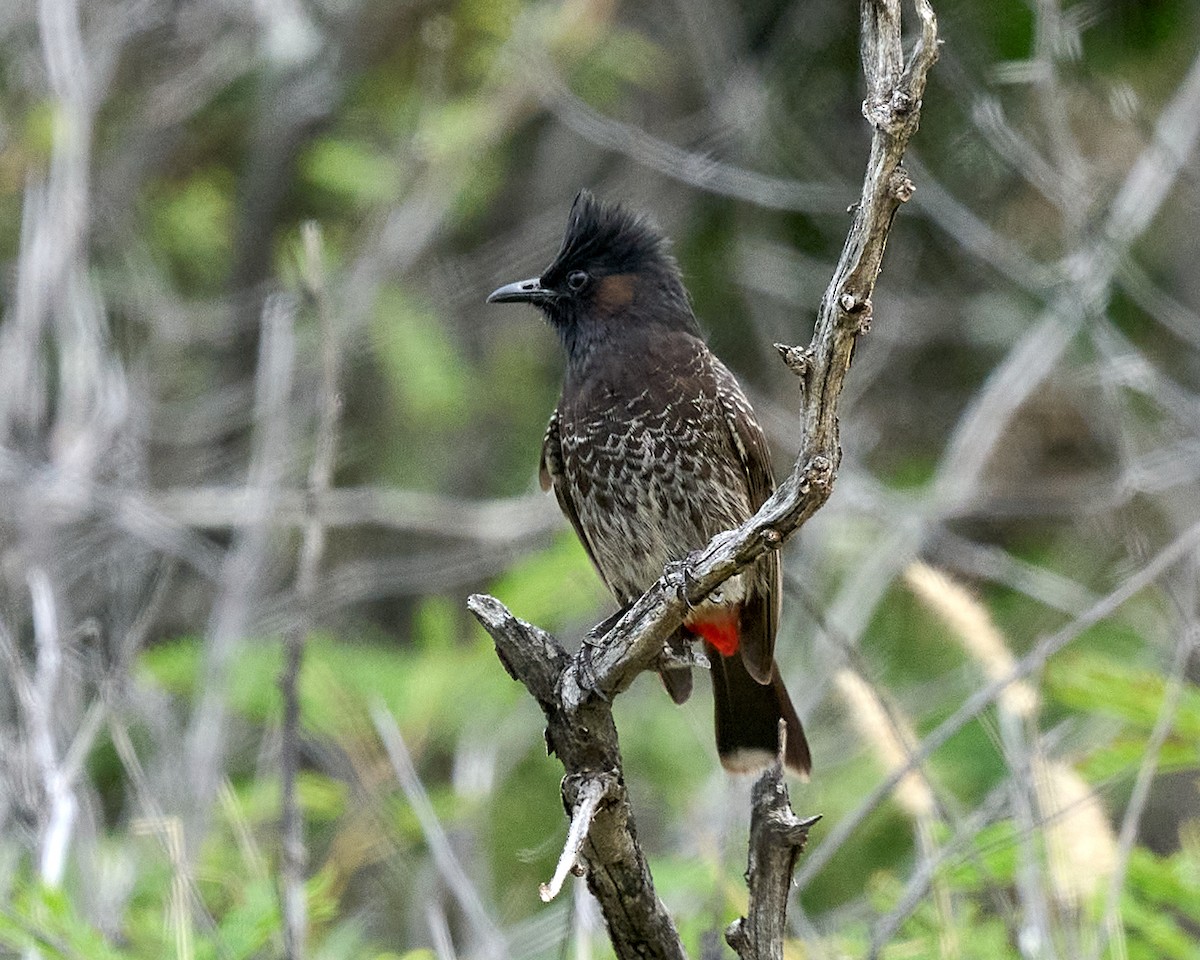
x: 695, y: 169
x: 439, y: 930
x: 244, y: 565
x: 924, y: 876
x: 152, y: 812
x: 1189, y: 642
x: 590, y: 795
x: 983, y: 424
x: 169, y: 830
x: 62, y: 807
x: 408, y: 511
x: 582, y: 907
x: 490, y: 937
x: 320, y: 478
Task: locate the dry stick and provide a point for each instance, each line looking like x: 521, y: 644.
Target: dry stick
x: 320, y: 477
x: 777, y: 838
x: 694, y: 169
x: 584, y: 739
x: 152, y: 814
x: 61, y: 803
x: 590, y: 795
x: 576, y: 693
x: 924, y: 875
x: 981, y: 426
x: 491, y: 938
x: 499, y: 520
x: 581, y: 926
x: 439, y: 931
x: 130, y: 511
x: 1019, y: 739
x: 242, y: 571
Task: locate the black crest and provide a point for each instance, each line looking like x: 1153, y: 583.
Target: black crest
x: 610, y: 239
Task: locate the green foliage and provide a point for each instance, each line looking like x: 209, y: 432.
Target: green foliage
x: 340, y: 680
x: 37, y: 139
x: 1169, y: 884
x: 553, y: 586
x: 46, y: 920
x: 429, y: 380
x: 193, y: 227
x: 438, y: 690
x: 1097, y: 684
x: 350, y: 173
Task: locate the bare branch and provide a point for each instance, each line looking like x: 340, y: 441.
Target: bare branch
x: 979, y: 701
x: 584, y: 739
x: 1155, y: 171
x: 1189, y: 643
x: 55, y: 833
x: 320, y: 478
x: 923, y: 877
x: 695, y: 169
x: 590, y: 795
x: 575, y: 693
x: 777, y: 838
x: 243, y: 567
x: 409, y: 511
x: 491, y: 939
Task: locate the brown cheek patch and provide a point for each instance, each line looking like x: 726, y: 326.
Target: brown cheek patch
x: 615, y: 292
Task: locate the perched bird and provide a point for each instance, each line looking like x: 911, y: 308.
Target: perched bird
x: 652, y: 451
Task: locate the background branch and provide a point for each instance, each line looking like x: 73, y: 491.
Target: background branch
x: 294, y: 857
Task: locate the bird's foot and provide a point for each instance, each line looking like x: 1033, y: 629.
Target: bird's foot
x: 585, y: 672
x: 677, y: 575
x: 594, y: 640
x: 686, y: 655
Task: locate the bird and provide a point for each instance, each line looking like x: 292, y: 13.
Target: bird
x: 652, y: 450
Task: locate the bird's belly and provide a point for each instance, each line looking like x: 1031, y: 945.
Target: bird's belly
x: 646, y: 497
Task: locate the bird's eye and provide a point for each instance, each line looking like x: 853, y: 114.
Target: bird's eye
x: 577, y: 280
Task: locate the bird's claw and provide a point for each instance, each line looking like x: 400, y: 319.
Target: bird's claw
x: 687, y: 655
x: 677, y: 575
x: 585, y: 672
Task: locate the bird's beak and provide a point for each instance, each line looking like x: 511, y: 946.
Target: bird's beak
x: 523, y: 291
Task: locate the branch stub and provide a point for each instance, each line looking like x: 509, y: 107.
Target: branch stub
x: 900, y: 185
x: 797, y: 359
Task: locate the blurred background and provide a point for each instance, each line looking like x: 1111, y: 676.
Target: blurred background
x: 251, y: 398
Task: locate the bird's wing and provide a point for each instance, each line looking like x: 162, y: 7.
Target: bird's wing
x: 550, y: 465
x: 747, y: 436
x: 550, y: 474
x: 761, y: 616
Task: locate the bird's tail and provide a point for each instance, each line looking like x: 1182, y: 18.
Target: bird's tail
x: 747, y: 715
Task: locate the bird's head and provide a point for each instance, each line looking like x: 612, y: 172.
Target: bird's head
x: 612, y: 271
